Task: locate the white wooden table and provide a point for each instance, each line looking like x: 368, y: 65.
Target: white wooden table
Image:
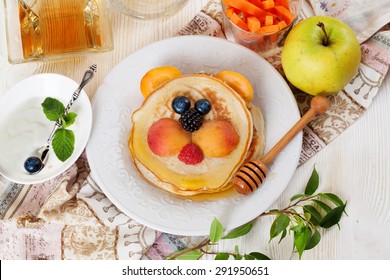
x: 355, y: 165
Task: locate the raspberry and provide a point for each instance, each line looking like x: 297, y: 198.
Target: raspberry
x: 191, y: 154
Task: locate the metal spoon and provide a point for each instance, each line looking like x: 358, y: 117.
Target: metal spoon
x: 35, y: 164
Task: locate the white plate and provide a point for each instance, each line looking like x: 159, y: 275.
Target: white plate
x: 24, y: 127
x: 119, y: 95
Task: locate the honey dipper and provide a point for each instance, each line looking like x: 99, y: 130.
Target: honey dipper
x: 252, y: 174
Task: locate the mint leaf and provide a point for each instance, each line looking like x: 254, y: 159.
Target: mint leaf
x: 53, y: 108
x: 69, y: 119
x: 216, y: 231
x: 63, y: 143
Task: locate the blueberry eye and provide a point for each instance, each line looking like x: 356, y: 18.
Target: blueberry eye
x: 203, y: 106
x: 181, y: 104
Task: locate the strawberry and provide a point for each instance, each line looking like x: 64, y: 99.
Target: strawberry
x: 191, y: 154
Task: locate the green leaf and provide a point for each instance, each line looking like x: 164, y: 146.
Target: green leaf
x: 297, y: 196
x: 192, y: 255
x: 332, y: 197
x: 297, y: 227
x: 259, y: 256
x: 237, y: 257
x: 69, y: 119
x: 53, y: 108
x: 249, y: 257
x: 236, y: 250
x: 313, y: 241
x: 240, y: 231
x: 301, y: 237
x: 63, y: 143
x: 333, y: 217
x: 222, y: 256
x: 323, y: 205
x: 280, y: 224
x: 216, y: 231
x: 284, y: 233
x: 315, y: 216
x: 313, y: 182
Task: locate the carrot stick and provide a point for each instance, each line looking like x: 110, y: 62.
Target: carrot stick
x: 267, y: 4
x: 246, y: 7
x: 285, y: 14
x: 229, y: 12
x: 253, y: 24
x: 282, y: 24
x: 238, y: 21
x: 268, y: 29
x: 283, y: 3
x: 269, y: 20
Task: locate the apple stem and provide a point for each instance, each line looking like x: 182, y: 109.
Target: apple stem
x: 325, y: 42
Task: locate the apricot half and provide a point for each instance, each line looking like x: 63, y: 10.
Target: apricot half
x: 156, y: 77
x: 216, y: 138
x: 238, y: 82
x: 166, y: 137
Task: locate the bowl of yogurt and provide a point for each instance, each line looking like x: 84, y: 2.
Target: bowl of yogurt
x: 24, y: 127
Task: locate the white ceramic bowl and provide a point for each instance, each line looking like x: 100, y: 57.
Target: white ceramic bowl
x: 24, y: 127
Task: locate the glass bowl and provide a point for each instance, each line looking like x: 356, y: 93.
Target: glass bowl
x: 265, y: 44
x: 148, y: 9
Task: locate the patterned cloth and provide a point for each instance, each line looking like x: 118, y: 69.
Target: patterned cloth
x: 69, y: 217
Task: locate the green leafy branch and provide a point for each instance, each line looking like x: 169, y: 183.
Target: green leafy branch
x: 64, y: 139
x: 303, y: 217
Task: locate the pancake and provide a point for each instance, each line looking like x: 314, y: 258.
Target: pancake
x: 213, y: 174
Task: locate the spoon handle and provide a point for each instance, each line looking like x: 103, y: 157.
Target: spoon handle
x: 88, y: 75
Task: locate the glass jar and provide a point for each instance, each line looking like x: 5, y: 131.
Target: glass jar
x: 47, y: 29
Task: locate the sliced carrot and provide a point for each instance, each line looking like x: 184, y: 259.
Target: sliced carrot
x: 239, y: 22
x: 284, y: 14
x: 253, y: 24
x: 229, y: 12
x: 245, y: 6
x: 255, y: 15
x: 268, y: 29
x: 269, y: 20
x: 281, y: 24
x: 283, y: 3
x: 267, y: 4
x: 256, y: 2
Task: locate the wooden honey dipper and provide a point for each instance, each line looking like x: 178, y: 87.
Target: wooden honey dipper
x: 252, y: 174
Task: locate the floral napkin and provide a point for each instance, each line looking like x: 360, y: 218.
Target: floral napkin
x: 69, y: 217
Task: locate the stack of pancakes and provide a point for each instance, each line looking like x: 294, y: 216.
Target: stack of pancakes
x: 212, y: 174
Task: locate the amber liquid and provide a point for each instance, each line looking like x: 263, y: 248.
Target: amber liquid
x: 54, y: 27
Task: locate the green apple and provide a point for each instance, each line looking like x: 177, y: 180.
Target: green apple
x: 320, y: 55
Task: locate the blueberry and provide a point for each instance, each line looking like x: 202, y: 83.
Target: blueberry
x: 33, y: 164
x: 203, y: 106
x: 181, y: 104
